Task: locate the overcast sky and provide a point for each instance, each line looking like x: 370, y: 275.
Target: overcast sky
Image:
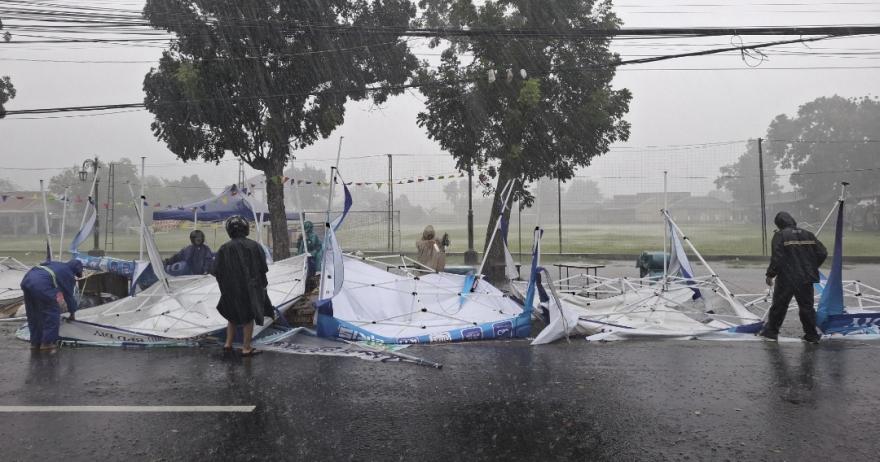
x: 689, y: 101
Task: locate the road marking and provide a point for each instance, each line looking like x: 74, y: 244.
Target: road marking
x: 127, y: 408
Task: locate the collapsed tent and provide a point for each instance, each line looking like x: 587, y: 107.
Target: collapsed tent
x: 175, y: 310
x: 679, y: 305
x: 846, y: 308
x: 362, y: 302
x: 11, y: 273
x: 232, y: 201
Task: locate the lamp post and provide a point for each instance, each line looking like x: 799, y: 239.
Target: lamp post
x: 84, y: 176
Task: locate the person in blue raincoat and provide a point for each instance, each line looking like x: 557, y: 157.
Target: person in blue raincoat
x: 48, y: 288
x: 197, y: 256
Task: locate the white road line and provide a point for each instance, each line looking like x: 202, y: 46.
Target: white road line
x: 126, y: 409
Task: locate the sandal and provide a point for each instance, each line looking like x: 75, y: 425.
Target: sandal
x: 253, y: 352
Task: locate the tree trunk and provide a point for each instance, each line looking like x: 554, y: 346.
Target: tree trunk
x: 494, y: 268
x: 275, y: 197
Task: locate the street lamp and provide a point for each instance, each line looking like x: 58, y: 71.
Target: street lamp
x: 93, y: 164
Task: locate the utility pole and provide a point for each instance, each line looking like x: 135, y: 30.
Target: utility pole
x: 470, y: 255
x: 763, y: 197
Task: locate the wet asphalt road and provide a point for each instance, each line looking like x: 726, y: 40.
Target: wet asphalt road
x: 688, y: 400
x: 494, y: 400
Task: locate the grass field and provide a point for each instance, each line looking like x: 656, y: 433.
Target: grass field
x: 739, y: 240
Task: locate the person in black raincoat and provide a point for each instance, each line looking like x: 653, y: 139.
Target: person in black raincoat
x: 240, y: 269
x: 794, y: 264
x: 197, y: 256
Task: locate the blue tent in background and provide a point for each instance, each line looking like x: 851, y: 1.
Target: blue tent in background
x: 232, y: 201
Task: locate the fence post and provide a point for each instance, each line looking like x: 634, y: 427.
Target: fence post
x: 763, y: 198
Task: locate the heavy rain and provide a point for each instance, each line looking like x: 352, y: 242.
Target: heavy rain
x: 439, y: 230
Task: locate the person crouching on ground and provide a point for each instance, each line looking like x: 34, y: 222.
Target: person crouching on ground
x: 197, y: 256
x: 240, y: 269
x: 48, y: 289
x: 431, y: 251
x: 794, y: 263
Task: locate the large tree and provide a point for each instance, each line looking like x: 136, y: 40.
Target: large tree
x: 259, y: 77
x: 526, y: 107
x: 741, y: 179
x: 7, y: 92
x: 832, y: 139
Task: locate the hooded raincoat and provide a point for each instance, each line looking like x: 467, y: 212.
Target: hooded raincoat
x: 430, y: 250
x: 796, y: 253
x: 240, y: 269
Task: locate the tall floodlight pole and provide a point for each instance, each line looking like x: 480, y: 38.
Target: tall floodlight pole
x: 66, y: 199
x: 763, y: 197
x: 141, y: 206
x: 83, y: 176
x: 470, y: 255
x: 46, y: 224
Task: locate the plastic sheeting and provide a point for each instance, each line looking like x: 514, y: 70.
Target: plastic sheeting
x: 379, y: 306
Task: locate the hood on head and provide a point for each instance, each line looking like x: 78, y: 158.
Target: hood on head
x: 308, y: 226
x: 428, y: 233
x: 76, y: 267
x: 784, y: 220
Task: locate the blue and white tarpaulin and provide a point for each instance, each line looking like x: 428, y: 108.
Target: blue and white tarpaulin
x: 376, y: 305
x: 679, y: 265
x: 87, y: 228
x: 371, y: 304
x: 333, y: 269
x: 831, y: 300
x: 232, y: 201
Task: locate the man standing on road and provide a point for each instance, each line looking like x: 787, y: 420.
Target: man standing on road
x: 48, y: 289
x: 794, y: 263
x: 240, y: 269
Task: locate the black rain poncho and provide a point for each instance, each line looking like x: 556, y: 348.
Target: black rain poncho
x: 797, y: 254
x: 240, y: 269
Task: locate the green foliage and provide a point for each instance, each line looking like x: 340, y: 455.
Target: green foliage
x: 832, y: 135
x: 7, y: 92
x: 741, y: 178
x: 238, y: 81
x: 523, y: 108
x: 7, y: 185
x: 550, y: 108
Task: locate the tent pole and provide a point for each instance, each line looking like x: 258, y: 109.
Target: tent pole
x: 330, y: 203
x: 665, y: 229
x: 141, y: 204
x: 505, y: 196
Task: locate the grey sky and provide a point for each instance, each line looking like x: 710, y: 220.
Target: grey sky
x: 729, y: 101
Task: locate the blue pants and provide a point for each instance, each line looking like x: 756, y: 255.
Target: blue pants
x: 43, y: 316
